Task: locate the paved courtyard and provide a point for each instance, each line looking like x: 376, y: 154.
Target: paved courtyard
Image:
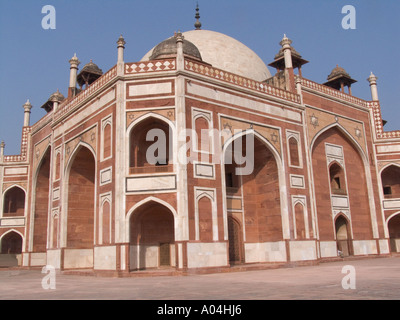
x: 375, y: 278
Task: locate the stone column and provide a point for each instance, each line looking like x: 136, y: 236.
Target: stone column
x: 27, y: 113
x: 374, y: 89
x: 289, y: 73
x: 74, y: 63
x: 121, y: 46
x: 179, y: 54
x: 180, y: 165
x: 2, y: 146
x: 297, y: 81
x: 287, y: 51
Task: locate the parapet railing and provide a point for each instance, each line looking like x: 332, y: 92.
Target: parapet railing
x: 24, y: 148
x: 219, y: 74
x: 333, y: 92
x: 374, y: 106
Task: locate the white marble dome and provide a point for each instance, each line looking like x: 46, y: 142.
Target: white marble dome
x: 226, y: 53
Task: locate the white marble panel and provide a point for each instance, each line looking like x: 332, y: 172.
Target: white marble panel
x: 340, y: 201
x: 15, y: 171
x: 204, y: 170
x: 328, y: 249
x: 78, y: 258
x: 202, y: 255
x: 302, y: 250
x: 155, y: 183
x: 150, y: 89
x: 363, y: 247
x: 391, y: 204
x: 12, y: 221
x: 265, y: 252
x: 105, y: 258
x: 389, y: 148
x: 334, y: 150
x: 38, y: 259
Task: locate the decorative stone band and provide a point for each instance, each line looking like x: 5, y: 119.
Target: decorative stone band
x: 24, y: 148
x: 378, y: 122
x: 333, y: 92
x: 150, y: 66
x: 240, y: 81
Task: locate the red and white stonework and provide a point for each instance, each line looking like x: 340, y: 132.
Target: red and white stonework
x: 83, y: 195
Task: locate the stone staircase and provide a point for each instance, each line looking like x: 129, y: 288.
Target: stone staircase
x: 9, y: 260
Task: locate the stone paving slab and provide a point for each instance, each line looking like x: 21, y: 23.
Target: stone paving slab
x: 375, y: 279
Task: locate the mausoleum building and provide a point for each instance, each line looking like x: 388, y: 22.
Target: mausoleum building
x: 199, y: 158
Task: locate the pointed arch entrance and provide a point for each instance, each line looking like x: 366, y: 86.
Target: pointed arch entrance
x: 150, y: 146
x: 81, y: 199
x: 253, y: 177
x: 342, y: 181
x: 390, y: 177
x: 41, y: 204
x: 343, y: 236
x: 11, y: 243
x: 151, y: 236
x: 235, y: 237
x: 14, y: 202
x: 394, y: 232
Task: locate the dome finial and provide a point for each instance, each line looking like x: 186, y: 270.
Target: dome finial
x: 197, y: 24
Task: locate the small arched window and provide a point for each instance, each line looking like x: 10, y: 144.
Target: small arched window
x: 11, y: 243
x: 394, y: 233
x: 14, y: 202
x: 294, y: 152
x: 150, y: 147
x: 391, y: 182
x: 300, y: 223
x: 203, y: 134
x: 205, y: 219
x: 107, y: 141
x: 58, y: 166
x: 106, y: 210
x: 337, y: 179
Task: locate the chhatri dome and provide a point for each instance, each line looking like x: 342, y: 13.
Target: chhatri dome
x: 217, y: 49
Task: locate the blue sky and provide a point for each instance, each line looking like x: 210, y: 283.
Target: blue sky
x: 34, y: 61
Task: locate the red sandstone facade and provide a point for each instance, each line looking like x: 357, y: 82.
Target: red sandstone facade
x: 82, y: 194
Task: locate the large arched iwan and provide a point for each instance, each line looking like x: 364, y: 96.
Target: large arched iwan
x: 356, y: 185
x: 41, y: 207
x: 258, y: 188
x: 81, y: 200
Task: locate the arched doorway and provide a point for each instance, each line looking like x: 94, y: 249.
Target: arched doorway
x: 252, y: 188
x: 345, y: 179
x: 235, y: 241
x: 14, y: 202
x: 337, y: 179
x: 81, y: 200
x: 41, y: 216
x: 150, y: 148
x: 152, y: 237
x: 391, y: 182
x: 11, y: 243
x: 343, y: 237
x: 394, y: 233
